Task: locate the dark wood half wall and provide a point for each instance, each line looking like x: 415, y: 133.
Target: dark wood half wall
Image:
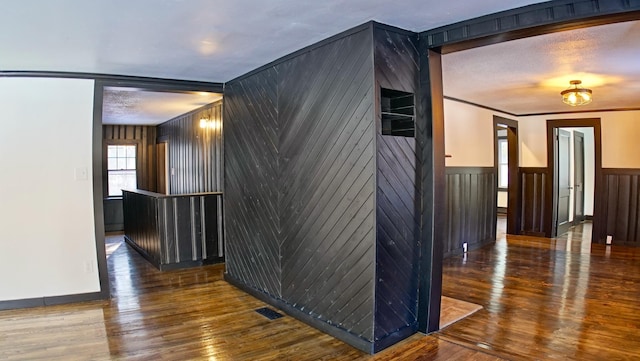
x: 534, y: 184
x: 175, y: 231
x: 470, y: 208
x: 620, y: 207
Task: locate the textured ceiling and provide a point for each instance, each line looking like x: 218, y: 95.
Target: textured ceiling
x: 219, y: 40
x: 201, y: 40
x: 526, y: 76
x: 139, y: 107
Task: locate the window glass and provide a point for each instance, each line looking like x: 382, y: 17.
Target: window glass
x: 503, y: 163
x: 121, y: 168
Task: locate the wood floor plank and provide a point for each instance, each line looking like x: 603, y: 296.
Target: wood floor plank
x: 549, y: 299
x: 542, y: 299
x: 190, y: 314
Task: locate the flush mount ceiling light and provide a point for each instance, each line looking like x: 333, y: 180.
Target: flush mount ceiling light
x: 576, y: 95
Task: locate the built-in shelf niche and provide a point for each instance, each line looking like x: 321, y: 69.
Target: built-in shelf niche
x: 397, y: 113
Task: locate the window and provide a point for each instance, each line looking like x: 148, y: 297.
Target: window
x: 503, y: 163
x: 121, y: 168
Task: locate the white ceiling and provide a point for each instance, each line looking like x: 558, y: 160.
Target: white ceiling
x: 526, y: 76
x: 204, y: 40
x: 216, y: 41
x: 141, y: 107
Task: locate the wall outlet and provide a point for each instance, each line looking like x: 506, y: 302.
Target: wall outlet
x: 609, y: 240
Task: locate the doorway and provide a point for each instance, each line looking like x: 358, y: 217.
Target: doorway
x: 575, y: 163
x: 162, y: 176
x: 506, y: 164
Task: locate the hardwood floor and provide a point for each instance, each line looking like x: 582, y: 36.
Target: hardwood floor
x: 188, y: 314
x: 543, y: 299
x: 548, y: 299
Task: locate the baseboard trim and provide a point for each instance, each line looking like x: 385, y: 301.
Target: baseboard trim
x: 341, y: 334
x: 114, y: 227
x: 395, y: 337
x: 534, y: 234
x: 471, y: 247
x: 52, y: 301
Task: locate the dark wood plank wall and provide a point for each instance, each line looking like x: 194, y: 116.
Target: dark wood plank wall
x: 141, y: 225
x: 191, y: 229
x: 145, y: 139
x: 327, y: 160
x: 195, y: 153
x: 174, y: 231
x: 300, y: 185
x: 471, y: 208
x: 398, y: 196
x: 621, y: 206
x: 113, y: 216
x: 252, y: 223
x: 534, y: 185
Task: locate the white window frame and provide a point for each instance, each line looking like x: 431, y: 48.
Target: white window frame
x: 121, y: 164
x: 503, y: 163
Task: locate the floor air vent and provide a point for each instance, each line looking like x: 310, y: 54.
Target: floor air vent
x: 269, y: 313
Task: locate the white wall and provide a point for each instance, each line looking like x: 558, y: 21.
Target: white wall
x: 589, y: 170
x: 47, y: 242
x: 620, y: 131
x: 468, y: 135
x: 503, y: 199
x: 620, y: 147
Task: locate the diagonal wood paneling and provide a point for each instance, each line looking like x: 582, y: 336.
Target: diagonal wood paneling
x: 252, y: 216
x: 325, y: 109
x: 471, y: 208
x: 397, y: 207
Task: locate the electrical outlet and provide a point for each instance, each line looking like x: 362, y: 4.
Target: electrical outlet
x: 609, y: 240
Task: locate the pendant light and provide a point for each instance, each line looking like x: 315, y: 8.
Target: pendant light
x: 576, y: 95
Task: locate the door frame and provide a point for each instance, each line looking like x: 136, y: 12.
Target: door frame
x: 576, y: 135
x: 561, y: 132
x: 551, y: 196
x: 514, y: 196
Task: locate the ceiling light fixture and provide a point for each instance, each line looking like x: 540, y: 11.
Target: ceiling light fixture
x: 576, y: 95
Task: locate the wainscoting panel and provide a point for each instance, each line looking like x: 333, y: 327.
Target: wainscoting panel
x: 621, y: 206
x: 113, y: 215
x: 471, y: 208
x: 534, y: 186
x: 174, y: 231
